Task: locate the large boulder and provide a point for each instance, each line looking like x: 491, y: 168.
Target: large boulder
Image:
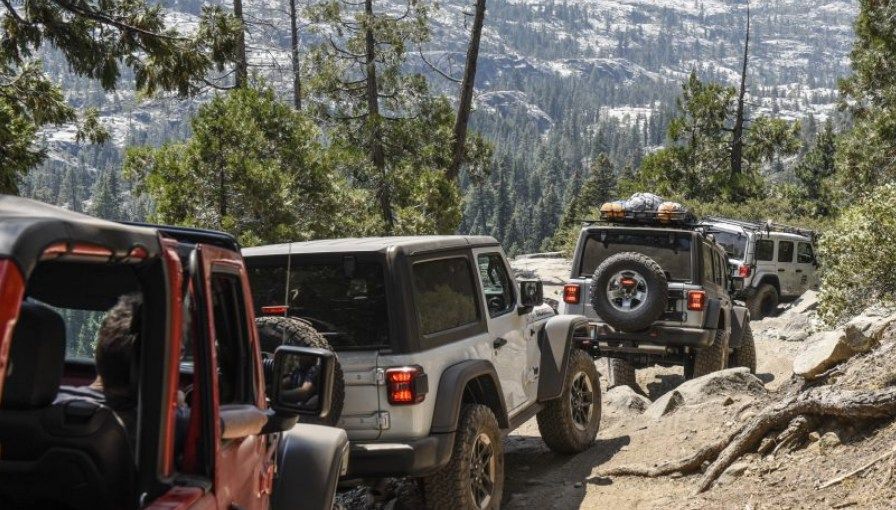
x: 795, y: 324
x: 733, y: 381
x: 624, y: 399
x: 827, y: 349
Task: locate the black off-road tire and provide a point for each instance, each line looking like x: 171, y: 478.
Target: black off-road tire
x: 557, y: 422
x: 763, y: 302
x: 745, y: 355
x: 276, y: 331
x: 451, y: 487
x: 649, y: 311
x: 711, y: 359
x: 621, y: 373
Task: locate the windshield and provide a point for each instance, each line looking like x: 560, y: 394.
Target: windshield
x: 735, y: 244
x: 343, y: 298
x: 671, y: 250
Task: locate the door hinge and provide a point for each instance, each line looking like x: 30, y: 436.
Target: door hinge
x: 380, y: 377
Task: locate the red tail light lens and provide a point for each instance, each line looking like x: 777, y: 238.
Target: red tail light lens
x: 696, y: 300
x: 743, y: 271
x: 406, y: 385
x: 572, y: 293
x: 274, y: 310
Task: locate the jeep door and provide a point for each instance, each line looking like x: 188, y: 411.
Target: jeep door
x: 807, y: 278
x: 230, y: 384
x: 787, y: 275
x: 515, y: 355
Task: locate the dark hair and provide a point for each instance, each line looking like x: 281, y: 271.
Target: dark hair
x: 115, y: 344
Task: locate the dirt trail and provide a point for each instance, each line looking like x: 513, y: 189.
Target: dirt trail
x: 538, y: 478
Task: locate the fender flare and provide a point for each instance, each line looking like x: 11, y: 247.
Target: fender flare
x: 740, y: 318
x: 713, y: 314
x: 310, y: 460
x: 555, y: 344
x: 450, y: 395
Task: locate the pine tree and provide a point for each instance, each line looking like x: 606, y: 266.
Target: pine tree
x: 106, y: 196
x: 816, y: 169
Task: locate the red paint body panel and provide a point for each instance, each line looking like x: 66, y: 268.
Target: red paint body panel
x: 12, y: 289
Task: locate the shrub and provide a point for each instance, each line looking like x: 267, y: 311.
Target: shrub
x: 859, y: 254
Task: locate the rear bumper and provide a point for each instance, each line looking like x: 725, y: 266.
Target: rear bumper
x: 409, y: 458
x: 605, y: 339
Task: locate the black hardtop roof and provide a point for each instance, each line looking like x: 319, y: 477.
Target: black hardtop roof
x: 28, y: 227
x: 408, y: 244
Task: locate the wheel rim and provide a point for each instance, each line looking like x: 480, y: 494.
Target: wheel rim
x: 627, y: 291
x: 581, y: 400
x: 483, y: 466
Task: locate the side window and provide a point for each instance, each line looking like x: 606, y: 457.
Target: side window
x: 231, y: 341
x: 804, y: 253
x: 446, y: 294
x: 765, y: 250
x: 496, y: 284
x: 708, y: 270
x: 785, y: 251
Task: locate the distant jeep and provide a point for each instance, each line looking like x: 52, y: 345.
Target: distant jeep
x: 775, y: 262
x: 657, y: 293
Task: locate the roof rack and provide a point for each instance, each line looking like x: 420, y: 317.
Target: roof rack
x: 646, y: 218
x: 767, y: 226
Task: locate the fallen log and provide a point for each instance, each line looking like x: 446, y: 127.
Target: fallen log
x: 815, y: 402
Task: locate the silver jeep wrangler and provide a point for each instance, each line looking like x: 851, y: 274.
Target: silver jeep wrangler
x: 775, y: 262
x: 441, y: 352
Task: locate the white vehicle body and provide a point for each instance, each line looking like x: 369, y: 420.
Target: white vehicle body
x: 764, y: 255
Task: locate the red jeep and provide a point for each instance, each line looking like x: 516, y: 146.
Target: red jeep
x: 205, y: 432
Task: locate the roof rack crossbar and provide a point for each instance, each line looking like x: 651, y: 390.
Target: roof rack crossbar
x: 764, y: 226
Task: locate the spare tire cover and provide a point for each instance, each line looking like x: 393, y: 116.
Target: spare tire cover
x: 629, y: 291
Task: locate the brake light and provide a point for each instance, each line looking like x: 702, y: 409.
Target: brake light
x: 696, y: 300
x: 274, y: 310
x: 572, y: 293
x: 743, y: 271
x: 406, y: 385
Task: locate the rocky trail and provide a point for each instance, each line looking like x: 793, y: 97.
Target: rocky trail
x: 823, y: 461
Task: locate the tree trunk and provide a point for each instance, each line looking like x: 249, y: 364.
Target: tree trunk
x: 374, y: 126
x: 242, y: 64
x: 737, y: 136
x: 296, y: 76
x: 466, y: 93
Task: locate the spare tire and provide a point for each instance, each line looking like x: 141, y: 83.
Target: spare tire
x: 276, y: 331
x: 629, y: 291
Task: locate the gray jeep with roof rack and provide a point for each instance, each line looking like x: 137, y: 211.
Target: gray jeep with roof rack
x: 656, y: 289
x: 442, y: 354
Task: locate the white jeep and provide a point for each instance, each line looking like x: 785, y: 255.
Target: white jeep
x: 442, y: 353
x: 775, y: 262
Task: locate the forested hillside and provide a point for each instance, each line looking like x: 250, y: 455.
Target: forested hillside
x: 558, y: 84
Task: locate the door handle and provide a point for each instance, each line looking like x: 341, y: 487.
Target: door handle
x: 499, y: 342
x: 781, y: 270
x: 799, y: 270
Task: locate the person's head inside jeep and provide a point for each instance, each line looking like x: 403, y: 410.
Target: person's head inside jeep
x: 115, y: 349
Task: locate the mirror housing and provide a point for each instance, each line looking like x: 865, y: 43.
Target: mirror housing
x: 531, y: 295
x: 302, y: 381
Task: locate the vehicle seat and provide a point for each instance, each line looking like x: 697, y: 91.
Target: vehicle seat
x: 72, y: 454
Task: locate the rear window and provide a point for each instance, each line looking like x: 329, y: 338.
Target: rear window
x: 671, y: 250
x: 735, y: 244
x: 446, y: 294
x: 344, y: 298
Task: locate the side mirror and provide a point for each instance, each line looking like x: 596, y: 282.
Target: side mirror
x: 531, y: 295
x: 302, y: 381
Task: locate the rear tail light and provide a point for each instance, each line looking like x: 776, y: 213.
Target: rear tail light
x: 696, y: 300
x: 274, y: 310
x: 572, y: 293
x: 743, y: 271
x: 406, y: 385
